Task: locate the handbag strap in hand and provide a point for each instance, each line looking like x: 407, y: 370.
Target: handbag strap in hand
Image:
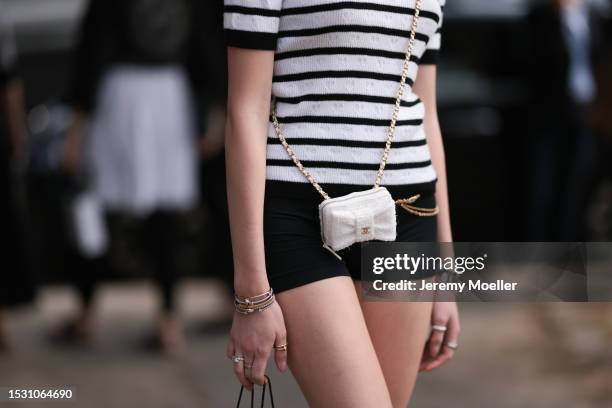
x: 268, y: 383
x: 390, y: 131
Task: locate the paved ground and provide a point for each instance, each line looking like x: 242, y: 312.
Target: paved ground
x: 545, y: 355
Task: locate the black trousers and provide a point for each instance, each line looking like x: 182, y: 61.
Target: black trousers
x: 156, y: 238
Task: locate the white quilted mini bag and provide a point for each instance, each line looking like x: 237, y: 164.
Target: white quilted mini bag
x: 363, y: 215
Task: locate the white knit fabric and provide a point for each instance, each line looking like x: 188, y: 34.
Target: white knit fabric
x: 336, y: 73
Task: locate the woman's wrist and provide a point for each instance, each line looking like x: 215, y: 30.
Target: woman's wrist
x: 250, y: 283
x: 258, y: 303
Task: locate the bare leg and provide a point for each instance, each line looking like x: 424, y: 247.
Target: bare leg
x: 170, y: 333
x: 398, y: 331
x: 330, y: 352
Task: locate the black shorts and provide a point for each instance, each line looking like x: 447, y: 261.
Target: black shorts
x: 294, y: 252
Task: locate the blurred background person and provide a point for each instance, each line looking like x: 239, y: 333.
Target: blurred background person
x: 566, y: 45
x: 16, y: 285
x: 134, y: 131
x: 212, y: 170
x: 601, y: 216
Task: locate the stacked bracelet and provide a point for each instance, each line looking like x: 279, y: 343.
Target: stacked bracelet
x: 247, y: 305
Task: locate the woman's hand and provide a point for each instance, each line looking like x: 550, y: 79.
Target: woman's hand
x: 253, y: 337
x: 442, y: 343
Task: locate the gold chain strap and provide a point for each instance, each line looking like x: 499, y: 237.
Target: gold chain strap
x: 407, y: 204
x: 390, y: 132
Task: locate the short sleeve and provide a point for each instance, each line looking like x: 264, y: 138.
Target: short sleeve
x: 252, y: 23
x: 432, y: 51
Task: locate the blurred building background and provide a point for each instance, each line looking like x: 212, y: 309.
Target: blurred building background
x: 511, y: 356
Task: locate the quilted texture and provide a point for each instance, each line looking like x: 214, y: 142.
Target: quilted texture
x: 357, y: 217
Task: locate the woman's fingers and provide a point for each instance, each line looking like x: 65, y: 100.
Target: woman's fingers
x: 258, y: 367
x: 447, y: 348
x: 433, y: 347
x: 427, y: 357
x: 443, y: 357
x: 435, y: 341
x: 280, y: 354
x: 239, y: 370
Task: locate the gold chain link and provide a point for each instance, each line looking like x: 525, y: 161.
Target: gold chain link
x: 391, y: 130
x: 407, y: 204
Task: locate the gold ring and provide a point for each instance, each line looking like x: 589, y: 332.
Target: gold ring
x: 282, y: 347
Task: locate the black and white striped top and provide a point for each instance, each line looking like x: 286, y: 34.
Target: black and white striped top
x: 336, y: 73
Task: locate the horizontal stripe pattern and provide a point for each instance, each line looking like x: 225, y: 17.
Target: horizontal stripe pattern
x: 331, y: 131
x: 402, y: 156
x: 344, y: 98
x: 357, y: 178
x: 360, y: 111
x: 309, y: 52
x: 340, y: 74
x: 350, y: 28
x: 304, y: 141
x: 358, y: 5
x: 337, y: 66
x: 350, y: 166
x: 347, y: 120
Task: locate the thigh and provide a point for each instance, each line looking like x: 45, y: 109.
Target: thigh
x: 330, y: 352
x: 294, y: 251
x: 399, y: 331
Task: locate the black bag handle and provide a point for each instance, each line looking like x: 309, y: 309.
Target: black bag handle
x: 268, y: 383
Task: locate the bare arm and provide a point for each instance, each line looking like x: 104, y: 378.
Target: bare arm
x: 250, y: 82
x: 445, y: 314
x: 425, y: 87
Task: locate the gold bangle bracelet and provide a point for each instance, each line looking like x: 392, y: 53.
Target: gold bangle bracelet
x: 247, y: 309
x: 257, y: 303
x: 253, y: 299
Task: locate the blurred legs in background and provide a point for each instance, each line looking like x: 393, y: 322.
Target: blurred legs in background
x: 140, y: 165
x: 545, y: 188
x: 562, y: 182
x: 561, y: 70
x: 16, y: 283
x: 86, y: 274
x: 152, y: 242
x: 162, y: 239
x: 580, y: 186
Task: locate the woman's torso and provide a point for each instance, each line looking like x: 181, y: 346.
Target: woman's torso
x: 336, y: 73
